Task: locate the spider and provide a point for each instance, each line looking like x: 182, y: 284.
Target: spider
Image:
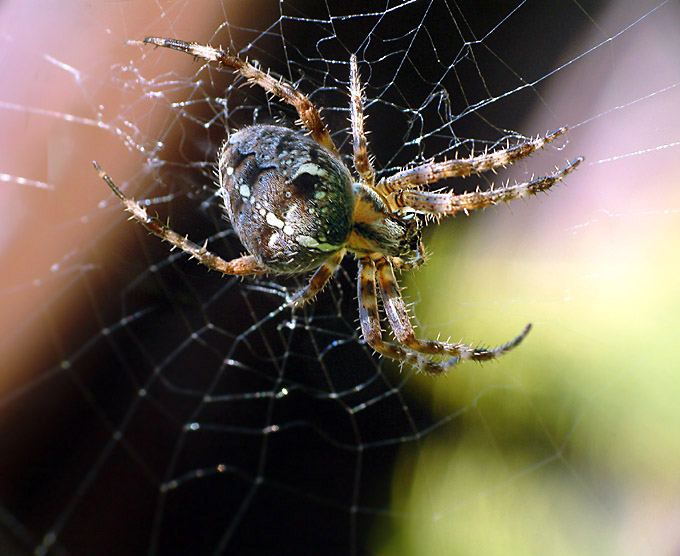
x: 296, y: 207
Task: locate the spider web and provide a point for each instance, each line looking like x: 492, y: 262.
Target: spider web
x: 148, y: 406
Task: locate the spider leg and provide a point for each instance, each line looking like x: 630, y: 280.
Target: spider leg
x: 397, y: 315
x: 318, y: 280
x: 434, y: 171
x: 370, y: 319
x: 371, y: 330
x: 449, y: 203
x: 240, y: 266
x: 362, y: 161
x: 309, y: 115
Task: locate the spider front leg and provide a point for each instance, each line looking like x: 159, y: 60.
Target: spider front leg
x: 241, y: 266
x: 449, y: 203
x: 460, y: 167
x: 398, y: 317
x: 362, y: 161
x: 309, y: 115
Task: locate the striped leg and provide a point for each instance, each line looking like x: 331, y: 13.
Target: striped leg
x: 438, y: 204
x: 309, y: 115
x: 318, y: 280
x: 241, y: 266
x: 460, y: 167
x: 362, y: 161
x: 398, y: 317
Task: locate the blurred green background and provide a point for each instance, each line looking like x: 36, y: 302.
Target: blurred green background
x: 571, y: 443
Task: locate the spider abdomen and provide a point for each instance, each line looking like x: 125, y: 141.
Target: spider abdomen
x: 289, y: 200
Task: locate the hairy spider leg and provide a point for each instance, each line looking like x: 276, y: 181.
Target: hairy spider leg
x: 462, y: 167
x: 240, y: 266
x: 425, y: 202
x: 362, y: 161
x: 309, y: 115
x: 318, y: 280
x: 398, y: 317
x: 372, y: 332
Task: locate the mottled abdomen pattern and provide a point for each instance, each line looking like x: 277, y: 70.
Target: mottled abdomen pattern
x: 289, y: 200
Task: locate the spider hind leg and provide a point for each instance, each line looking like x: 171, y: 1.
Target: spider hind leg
x: 244, y: 265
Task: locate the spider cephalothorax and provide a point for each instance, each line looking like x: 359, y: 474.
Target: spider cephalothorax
x: 296, y: 207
